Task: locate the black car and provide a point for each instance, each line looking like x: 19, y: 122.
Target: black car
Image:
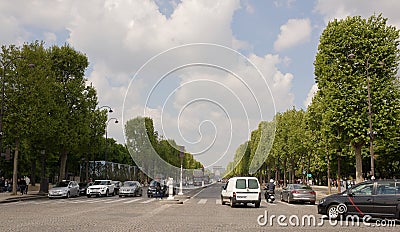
x: 377, y: 199
x: 82, y: 188
x: 157, y: 189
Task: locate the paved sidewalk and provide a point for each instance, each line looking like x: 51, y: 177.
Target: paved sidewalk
x: 8, y: 197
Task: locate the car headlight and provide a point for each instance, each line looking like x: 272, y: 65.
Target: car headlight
x: 322, y: 201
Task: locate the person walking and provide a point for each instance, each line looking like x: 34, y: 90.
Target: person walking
x: 22, y: 185
x: 27, y: 181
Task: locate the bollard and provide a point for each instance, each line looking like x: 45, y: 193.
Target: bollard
x: 170, y: 189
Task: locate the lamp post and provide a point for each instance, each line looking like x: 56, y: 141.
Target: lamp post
x: 370, y: 132
x: 181, y: 155
x: 105, y: 155
x: 110, y: 110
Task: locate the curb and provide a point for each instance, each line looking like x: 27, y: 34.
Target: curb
x: 22, y: 198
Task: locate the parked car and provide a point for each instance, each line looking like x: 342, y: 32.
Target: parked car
x: 298, y: 193
x: 64, y: 188
x: 241, y: 190
x: 152, y: 189
x: 378, y: 199
x: 117, y: 186
x: 83, y: 187
x: 100, y: 188
x: 131, y: 188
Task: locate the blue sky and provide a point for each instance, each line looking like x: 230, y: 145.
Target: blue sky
x: 278, y: 38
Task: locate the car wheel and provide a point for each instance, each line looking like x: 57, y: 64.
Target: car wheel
x: 288, y: 199
x: 89, y: 196
x: 148, y: 195
x: 333, y: 212
x: 107, y: 193
x: 257, y: 204
x: 120, y: 196
x: 231, y: 203
x: 67, y: 195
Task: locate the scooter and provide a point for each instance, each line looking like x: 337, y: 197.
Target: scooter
x: 269, y: 197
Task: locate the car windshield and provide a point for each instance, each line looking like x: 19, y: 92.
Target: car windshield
x: 62, y: 184
x: 153, y: 183
x: 129, y: 184
x: 301, y: 186
x: 100, y: 182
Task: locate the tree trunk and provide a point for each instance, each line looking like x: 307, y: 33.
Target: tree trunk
x: 87, y: 168
x: 329, y: 170
x: 63, y: 164
x: 15, y: 170
x: 33, y: 172
x: 44, y: 182
x: 359, y: 176
x: 284, y: 172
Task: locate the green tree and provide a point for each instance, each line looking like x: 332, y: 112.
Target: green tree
x: 343, y: 82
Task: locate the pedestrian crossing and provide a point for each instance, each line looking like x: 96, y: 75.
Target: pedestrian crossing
x: 125, y: 201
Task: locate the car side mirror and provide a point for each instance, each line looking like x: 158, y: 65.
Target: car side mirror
x: 223, y: 187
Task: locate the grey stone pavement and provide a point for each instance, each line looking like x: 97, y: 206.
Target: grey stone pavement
x: 6, y: 197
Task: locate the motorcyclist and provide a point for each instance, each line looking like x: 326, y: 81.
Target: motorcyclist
x: 270, y: 189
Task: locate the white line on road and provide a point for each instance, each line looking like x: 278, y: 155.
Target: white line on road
x: 202, y: 201
x: 148, y: 201
x: 138, y: 199
x: 109, y: 202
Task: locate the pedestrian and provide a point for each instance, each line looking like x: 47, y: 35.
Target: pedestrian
x: 22, y: 186
x: 27, y: 180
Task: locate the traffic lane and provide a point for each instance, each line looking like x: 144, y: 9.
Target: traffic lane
x: 63, y: 215
x: 204, y: 214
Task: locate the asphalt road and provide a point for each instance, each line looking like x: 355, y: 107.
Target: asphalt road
x: 202, y: 212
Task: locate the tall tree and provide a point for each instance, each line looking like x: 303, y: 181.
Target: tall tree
x: 68, y: 67
x: 373, y: 45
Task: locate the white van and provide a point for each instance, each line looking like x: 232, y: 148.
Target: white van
x: 241, y: 190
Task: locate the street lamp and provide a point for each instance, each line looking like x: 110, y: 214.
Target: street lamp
x: 105, y: 155
x: 109, y: 108
x: 181, y: 155
x: 370, y: 132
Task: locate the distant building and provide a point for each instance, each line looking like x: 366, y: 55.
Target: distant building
x: 218, y: 172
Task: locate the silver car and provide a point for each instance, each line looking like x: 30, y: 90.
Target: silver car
x: 65, y: 188
x: 298, y: 193
x: 131, y: 188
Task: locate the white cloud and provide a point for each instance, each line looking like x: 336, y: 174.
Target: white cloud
x: 294, y: 32
x: 310, y: 95
x: 340, y: 9
x: 120, y: 36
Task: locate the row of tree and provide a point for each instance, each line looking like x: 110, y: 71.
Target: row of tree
x: 358, y: 90
x: 49, y: 113
x: 153, y: 154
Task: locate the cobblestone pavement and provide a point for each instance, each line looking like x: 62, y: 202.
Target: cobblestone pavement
x: 202, y: 212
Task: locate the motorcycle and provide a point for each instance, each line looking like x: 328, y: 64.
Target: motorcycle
x: 269, y: 197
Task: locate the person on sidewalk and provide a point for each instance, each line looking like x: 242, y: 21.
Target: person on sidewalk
x: 22, y: 185
x: 27, y: 180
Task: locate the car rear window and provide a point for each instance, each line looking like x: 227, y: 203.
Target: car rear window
x: 253, y: 184
x: 241, y: 184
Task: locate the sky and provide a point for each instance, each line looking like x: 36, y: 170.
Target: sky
x: 207, y: 71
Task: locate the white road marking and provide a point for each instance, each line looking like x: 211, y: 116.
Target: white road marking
x: 137, y: 199
x: 202, y: 201
x: 148, y: 201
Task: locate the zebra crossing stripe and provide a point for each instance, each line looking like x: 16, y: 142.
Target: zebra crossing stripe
x: 138, y: 199
x: 202, y: 201
x: 148, y: 201
x: 109, y: 202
